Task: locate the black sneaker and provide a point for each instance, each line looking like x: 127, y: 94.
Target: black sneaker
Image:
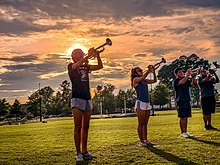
x: 211, y: 127
x: 206, y: 127
x: 88, y: 156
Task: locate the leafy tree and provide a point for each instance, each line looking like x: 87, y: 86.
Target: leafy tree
x: 66, y: 96
x: 166, y: 74
x: 61, y: 101
x: 16, y: 109
x: 160, y: 95
x: 45, y: 95
x: 4, y: 107
x: 33, y: 105
x: 104, y: 96
x: 125, y: 97
x: 120, y: 99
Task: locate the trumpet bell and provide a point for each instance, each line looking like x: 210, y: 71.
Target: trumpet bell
x: 108, y: 42
x: 164, y: 60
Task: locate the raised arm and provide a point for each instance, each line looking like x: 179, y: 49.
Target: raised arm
x: 98, y: 66
x: 79, y: 63
x: 216, y: 77
x: 184, y: 80
x: 136, y: 80
x: 154, y: 80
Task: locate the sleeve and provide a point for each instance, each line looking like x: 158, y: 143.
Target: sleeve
x: 200, y: 80
x: 176, y: 83
x: 69, y: 67
x: 70, y: 70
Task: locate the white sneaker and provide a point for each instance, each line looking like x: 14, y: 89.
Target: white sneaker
x: 185, y: 135
x: 188, y: 134
x: 79, y: 157
x: 142, y: 144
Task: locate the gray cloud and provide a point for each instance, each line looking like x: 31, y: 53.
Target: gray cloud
x: 140, y: 55
x: 43, y: 9
x: 18, y: 59
x: 17, y: 27
x: 182, y: 30
x: 116, y: 17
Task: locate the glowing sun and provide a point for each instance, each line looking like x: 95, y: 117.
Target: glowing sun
x: 76, y: 46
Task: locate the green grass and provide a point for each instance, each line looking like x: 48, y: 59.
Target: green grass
x: 113, y: 141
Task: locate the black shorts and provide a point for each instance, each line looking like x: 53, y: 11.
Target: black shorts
x: 184, y: 109
x: 208, y: 105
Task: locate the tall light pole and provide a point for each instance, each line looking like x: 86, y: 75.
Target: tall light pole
x: 100, y: 104
x: 125, y: 104
x: 40, y: 105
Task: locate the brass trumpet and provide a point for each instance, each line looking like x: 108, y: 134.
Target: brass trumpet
x: 212, y: 71
x: 157, y: 65
x: 107, y: 42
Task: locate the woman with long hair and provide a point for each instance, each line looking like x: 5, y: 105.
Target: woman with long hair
x: 140, y: 83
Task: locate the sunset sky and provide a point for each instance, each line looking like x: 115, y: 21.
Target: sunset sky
x: 37, y: 37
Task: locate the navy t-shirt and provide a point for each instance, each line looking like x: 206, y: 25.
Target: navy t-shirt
x: 142, y: 91
x: 182, y: 92
x: 80, y: 82
x: 207, y: 87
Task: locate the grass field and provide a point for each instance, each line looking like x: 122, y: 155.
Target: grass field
x: 113, y: 141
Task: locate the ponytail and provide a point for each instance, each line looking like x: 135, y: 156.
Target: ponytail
x: 133, y: 75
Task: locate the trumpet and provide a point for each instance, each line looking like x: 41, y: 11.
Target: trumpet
x: 107, y: 42
x: 212, y: 71
x: 157, y: 65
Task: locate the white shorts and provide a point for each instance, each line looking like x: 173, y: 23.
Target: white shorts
x: 84, y: 105
x: 142, y: 105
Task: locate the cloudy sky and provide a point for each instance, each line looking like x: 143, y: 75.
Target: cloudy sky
x: 37, y: 37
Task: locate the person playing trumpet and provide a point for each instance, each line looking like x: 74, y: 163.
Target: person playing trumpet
x: 140, y: 83
x: 206, y: 83
x: 81, y: 98
x: 182, y: 85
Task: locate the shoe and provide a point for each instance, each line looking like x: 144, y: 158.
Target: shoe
x: 79, y: 157
x: 211, y: 127
x: 88, y: 156
x: 206, y: 127
x: 143, y: 144
x: 150, y: 144
x: 185, y: 135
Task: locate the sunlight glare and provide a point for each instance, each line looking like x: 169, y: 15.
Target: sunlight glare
x: 76, y: 46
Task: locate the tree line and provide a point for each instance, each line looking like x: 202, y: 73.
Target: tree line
x: 105, y: 101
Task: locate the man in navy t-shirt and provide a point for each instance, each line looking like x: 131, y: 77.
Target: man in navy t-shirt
x: 206, y: 84
x: 182, y: 85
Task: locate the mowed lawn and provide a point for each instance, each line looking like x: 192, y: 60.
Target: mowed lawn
x: 113, y: 141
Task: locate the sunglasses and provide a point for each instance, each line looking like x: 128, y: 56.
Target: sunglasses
x: 79, y: 53
x: 139, y: 70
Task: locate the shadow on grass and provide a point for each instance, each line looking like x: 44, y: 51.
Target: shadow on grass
x: 82, y: 162
x: 204, y: 141
x: 169, y: 156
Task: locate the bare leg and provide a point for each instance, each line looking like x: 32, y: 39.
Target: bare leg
x: 142, y: 124
x: 85, y: 129
x: 205, y: 119
x: 77, y: 116
x: 209, y: 120
x: 183, y: 124
x: 147, y: 116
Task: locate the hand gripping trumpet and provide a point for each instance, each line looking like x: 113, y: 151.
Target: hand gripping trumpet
x: 107, y: 42
x: 157, y: 65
